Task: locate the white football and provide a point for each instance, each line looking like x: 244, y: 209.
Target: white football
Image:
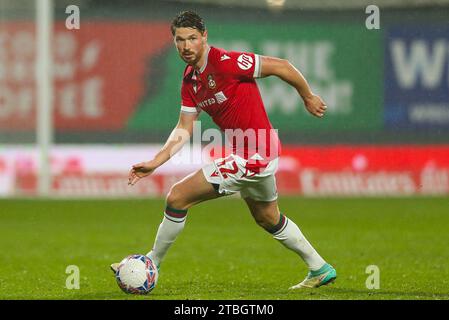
x: 137, y: 274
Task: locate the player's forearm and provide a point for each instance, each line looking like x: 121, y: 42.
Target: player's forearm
x: 295, y: 78
x: 178, y: 137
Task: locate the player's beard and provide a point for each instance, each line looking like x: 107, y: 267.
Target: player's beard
x: 194, y: 57
x: 191, y: 59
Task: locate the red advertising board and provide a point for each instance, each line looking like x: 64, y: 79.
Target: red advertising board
x: 365, y: 170
x: 308, y: 171
x: 100, y: 73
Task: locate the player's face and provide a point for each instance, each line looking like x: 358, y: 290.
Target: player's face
x: 190, y: 44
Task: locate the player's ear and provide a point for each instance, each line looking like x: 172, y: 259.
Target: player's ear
x: 205, y: 35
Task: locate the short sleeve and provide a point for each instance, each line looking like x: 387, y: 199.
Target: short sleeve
x: 241, y: 64
x: 187, y: 103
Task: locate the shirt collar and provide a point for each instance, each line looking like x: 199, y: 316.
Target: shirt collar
x: 205, y: 63
x: 190, y: 71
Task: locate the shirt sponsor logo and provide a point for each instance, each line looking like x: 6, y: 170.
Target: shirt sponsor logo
x: 245, y: 62
x: 220, y: 97
x: 206, y: 103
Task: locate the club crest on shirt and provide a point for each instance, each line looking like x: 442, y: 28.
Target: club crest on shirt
x: 211, y: 82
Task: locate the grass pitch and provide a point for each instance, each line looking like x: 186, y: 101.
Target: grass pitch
x: 222, y: 253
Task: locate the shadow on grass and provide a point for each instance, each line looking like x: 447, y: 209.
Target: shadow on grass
x: 371, y: 294
x: 223, y: 291
x: 314, y: 294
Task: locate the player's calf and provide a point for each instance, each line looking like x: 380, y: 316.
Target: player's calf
x: 265, y: 213
x: 267, y: 221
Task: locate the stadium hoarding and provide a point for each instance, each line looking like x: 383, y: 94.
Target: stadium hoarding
x: 417, y: 77
x: 118, y: 76
x: 367, y: 170
x: 89, y: 170
x: 337, y: 60
x: 98, y: 70
x: 101, y: 171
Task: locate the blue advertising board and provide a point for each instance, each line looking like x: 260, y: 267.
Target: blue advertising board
x: 416, y: 75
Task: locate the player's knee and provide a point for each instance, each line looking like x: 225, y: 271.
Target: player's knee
x: 175, y: 199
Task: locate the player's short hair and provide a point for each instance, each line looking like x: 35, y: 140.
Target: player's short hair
x: 188, y: 19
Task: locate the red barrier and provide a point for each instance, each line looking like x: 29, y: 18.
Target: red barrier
x: 308, y: 171
x: 98, y: 73
x: 364, y: 170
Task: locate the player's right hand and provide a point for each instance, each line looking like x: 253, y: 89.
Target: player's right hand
x: 315, y: 105
x: 139, y: 171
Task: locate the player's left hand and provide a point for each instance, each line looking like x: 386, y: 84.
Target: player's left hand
x: 315, y: 105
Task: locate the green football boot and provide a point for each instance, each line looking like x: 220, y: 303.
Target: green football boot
x: 325, y: 275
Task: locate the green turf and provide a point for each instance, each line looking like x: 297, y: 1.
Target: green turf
x: 222, y: 253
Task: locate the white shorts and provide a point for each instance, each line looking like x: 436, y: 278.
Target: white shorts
x: 231, y: 176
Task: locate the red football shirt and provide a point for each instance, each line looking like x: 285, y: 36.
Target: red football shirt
x: 226, y: 89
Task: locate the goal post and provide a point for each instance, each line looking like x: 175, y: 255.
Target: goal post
x: 44, y: 93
